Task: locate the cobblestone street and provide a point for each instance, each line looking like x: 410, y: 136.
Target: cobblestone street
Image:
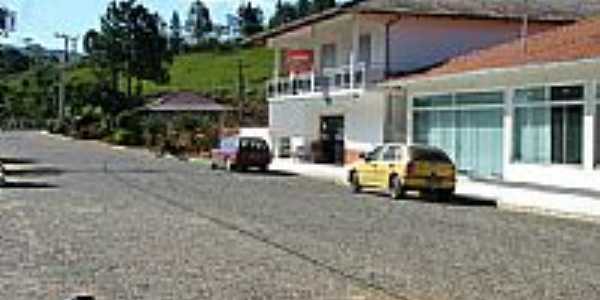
x: 124, y: 225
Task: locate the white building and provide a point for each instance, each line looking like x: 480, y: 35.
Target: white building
x: 332, y: 108
x: 526, y: 111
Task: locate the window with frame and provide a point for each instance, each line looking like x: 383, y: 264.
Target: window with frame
x: 285, y: 147
x: 548, y: 125
x: 328, y: 56
x: 376, y: 153
x: 364, y: 51
x: 392, y: 153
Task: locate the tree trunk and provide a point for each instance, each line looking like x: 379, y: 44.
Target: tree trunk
x: 129, y: 85
x: 115, y: 80
x: 139, y: 89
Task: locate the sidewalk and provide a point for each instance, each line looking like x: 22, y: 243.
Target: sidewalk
x: 520, y: 197
x: 336, y: 174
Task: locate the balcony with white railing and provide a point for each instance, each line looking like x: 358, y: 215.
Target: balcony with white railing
x: 331, y: 81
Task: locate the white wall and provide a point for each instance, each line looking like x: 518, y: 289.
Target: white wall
x: 363, y: 118
x: 419, y: 42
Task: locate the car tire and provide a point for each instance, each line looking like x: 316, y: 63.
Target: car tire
x: 213, y: 166
x: 355, y: 183
x: 445, y: 195
x: 264, y: 168
x: 397, y: 191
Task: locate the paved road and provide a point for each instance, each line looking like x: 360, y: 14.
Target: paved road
x: 124, y: 225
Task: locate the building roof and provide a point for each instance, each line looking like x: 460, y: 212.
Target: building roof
x: 185, y: 102
x: 567, y: 43
x: 537, y: 10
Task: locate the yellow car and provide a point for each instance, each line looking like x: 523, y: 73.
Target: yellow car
x: 399, y: 168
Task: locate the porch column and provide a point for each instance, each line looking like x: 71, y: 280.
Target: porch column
x: 410, y: 139
x: 354, y: 52
x: 507, y: 132
x: 221, y: 117
x: 589, y: 121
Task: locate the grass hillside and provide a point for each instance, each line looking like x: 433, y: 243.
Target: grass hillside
x: 209, y: 72
x: 217, y: 72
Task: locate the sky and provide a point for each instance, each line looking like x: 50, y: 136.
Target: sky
x: 41, y: 19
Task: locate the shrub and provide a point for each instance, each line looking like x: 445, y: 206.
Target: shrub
x: 125, y: 137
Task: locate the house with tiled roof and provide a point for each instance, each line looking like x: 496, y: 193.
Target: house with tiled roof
x: 325, y: 95
x: 523, y: 111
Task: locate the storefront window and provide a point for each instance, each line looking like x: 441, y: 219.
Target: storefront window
x: 549, y: 125
x: 433, y: 101
x: 285, y: 149
x: 481, y: 98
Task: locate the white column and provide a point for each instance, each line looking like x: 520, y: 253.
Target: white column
x: 355, y: 47
x: 508, y: 130
x: 589, y: 126
x: 409, y: 119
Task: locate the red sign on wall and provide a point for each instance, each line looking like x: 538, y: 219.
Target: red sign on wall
x: 299, y: 61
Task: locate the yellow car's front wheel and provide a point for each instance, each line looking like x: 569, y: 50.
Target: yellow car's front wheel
x: 355, y: 182
x: 396, y: 189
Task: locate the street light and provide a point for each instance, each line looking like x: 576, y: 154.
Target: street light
x: 61, y: 90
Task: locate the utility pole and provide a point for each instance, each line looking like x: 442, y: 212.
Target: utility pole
x: 241, y: 90
x: 525, y: 28
x: 61, y: 89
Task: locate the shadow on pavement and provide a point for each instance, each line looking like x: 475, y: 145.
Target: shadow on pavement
x: 270, y: 173
x: 34, y: 171
x: 457, y: 200
x: 17, y: 161
x: 22, y: 185
x: 120, y: 171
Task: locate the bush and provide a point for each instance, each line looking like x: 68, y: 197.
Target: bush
x: 125, y: 137
x: 153, y: 129
x: 57, y: 127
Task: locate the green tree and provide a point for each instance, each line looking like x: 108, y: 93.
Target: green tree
x: 251, y: 19
x: 303, y: 7
x: 198, y: 23
x: 284, y: 12
x: 13, y: 61
x: 131, y: 42
x: 321, y: 5
x: 175, y: 37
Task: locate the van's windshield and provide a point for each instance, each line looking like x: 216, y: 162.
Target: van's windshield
x: 253, y: 144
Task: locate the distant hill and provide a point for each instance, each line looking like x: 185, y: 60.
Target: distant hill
x: 217, y: 72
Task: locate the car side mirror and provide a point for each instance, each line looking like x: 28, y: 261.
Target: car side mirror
x: 366, y: 157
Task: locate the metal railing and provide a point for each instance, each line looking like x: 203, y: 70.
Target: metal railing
x: 330, y: 80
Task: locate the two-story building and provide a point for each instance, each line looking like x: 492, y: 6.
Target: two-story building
x: 325, y: 101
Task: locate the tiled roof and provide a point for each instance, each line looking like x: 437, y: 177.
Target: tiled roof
x: 567, y: 43
x: 185, y: 102
x: 538, y: 10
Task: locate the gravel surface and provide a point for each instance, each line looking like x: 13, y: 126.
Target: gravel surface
x: 124, y: 225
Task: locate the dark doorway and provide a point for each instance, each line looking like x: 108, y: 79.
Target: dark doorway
x: 332, y: 139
